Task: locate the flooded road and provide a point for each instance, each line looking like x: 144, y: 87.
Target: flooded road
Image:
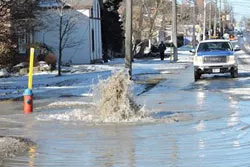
x: 204, y: 123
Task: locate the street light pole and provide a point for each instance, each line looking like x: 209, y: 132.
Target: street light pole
x: 128, y: 37
x: 204, y: 21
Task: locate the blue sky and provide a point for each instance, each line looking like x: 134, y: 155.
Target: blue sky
x: 241, y: 8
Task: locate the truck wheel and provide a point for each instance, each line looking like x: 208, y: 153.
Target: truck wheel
x: 197, y: 75
x: 234, y: 73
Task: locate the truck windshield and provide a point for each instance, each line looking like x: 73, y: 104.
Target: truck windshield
x: 212, y: 46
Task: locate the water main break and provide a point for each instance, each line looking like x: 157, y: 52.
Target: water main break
x: 115, y: 101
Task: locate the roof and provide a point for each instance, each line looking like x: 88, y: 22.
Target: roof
x: 82, y: 4
x: 79, y: 4
x: 50, y: 3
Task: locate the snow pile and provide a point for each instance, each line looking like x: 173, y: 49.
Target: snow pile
x: 4, y: 73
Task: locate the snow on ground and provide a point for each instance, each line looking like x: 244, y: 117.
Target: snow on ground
x: 79, y: 80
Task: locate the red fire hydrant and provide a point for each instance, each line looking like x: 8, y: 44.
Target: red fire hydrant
x: 28, y: 101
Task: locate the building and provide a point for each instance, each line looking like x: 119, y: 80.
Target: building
x: 80, y: 30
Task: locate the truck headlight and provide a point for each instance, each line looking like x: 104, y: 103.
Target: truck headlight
x: 231, y: 59
x: 198, y: 60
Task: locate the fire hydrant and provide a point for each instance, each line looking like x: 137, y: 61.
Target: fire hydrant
x: 28, y: 101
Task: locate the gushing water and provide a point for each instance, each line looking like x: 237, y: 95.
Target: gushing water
x: 112, y: 102
x: 115, y: 101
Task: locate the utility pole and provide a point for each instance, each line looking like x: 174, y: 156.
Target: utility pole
x: 174, y: 28
x: 215, y: 18
x: 194, y: 22
x: 204, y: 20
x: 128, y: 37
x: 220, y: 18
x: 210, y: 20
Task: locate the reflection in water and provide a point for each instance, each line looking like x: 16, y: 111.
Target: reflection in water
x: 201, y: 126
x: 174, y: 151
x: 200, y: 98
x: 234, y: 118
x: 201, y: 144
x: 32, y: 156
x: 202, y: 149
x: 236, y: 144
x: 119, y: 149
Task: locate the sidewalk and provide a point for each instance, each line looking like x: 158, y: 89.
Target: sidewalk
x: 78, y: 80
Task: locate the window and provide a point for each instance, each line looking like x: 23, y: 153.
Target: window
x: 20, y: 2
x: 21, y: 43
x: 98, y: 11
x: 93, y: 40
x: 91, y: 13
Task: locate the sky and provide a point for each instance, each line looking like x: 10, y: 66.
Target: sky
x: 241, y: 8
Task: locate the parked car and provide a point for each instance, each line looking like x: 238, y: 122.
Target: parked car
x: 215, y: 56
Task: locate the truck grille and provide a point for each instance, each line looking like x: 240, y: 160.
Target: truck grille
x: 215, y: 59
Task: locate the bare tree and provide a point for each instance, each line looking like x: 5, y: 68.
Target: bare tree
x: 63, y: 17
x: 151, y: 17
x: 5, y: 20
x: 148, y: 18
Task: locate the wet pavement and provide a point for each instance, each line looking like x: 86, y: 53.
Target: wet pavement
x: 204, y: 123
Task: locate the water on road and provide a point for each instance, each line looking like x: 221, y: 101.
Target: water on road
x: 190, y: 123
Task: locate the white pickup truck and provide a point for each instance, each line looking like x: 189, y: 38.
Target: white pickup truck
x: 215, y: 56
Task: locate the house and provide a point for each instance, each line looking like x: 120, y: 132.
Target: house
x: 16, y: 21
x: 80, y: 26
